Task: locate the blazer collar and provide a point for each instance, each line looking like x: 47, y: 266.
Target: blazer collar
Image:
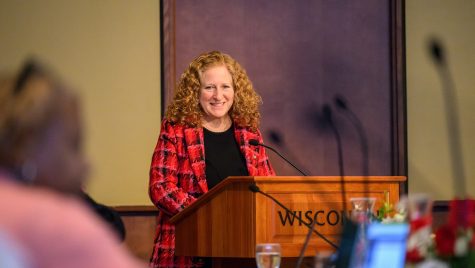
x: 196, y: 152
x: 194, y: 139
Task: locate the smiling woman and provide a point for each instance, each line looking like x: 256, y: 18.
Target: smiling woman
x: 215, y: 114
x: 216, y: 98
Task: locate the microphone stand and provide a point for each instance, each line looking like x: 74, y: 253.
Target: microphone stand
x: 278, y: 140
x: 327, y: 113
x: 257, y: 143
x: 342, y: 105
x: 349, y: 228
x: 452, y: 117
x: 305, y: 244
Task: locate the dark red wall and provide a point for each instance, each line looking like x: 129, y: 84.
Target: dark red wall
x: 299, y: 55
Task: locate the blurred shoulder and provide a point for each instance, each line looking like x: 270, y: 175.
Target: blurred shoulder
x: 32, y: 216
x: 44, y: 209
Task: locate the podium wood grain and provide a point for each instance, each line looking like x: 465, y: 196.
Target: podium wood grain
x: 230, y: 220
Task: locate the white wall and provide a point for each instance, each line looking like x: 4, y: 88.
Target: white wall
x: 453, y: 21
x: 109, y: 50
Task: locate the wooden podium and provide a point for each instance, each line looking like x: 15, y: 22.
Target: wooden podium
x: 227, y: 222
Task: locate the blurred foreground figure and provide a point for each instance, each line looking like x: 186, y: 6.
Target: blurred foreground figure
x: 108, y: 215
x: 42, y: 172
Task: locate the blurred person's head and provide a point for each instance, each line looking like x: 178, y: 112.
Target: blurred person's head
x: 40, y: 130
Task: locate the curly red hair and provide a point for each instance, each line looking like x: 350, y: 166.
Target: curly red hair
x: 185, y: 107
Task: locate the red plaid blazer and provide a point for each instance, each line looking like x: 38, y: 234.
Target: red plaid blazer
x: 177, y: 179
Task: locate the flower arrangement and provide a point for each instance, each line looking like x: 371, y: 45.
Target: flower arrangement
x: 451, y: 245
x: 388, y: 214
x: 455, y: 240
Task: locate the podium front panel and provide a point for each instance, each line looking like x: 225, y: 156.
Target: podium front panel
x: 230, y: 220
x: 320, y: 200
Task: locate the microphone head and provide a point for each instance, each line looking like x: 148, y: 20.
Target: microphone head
x: 436, y: 51
x: 253, y: 188
x: 275, y: 137
x: 340, y: 102
x: 254, y: 142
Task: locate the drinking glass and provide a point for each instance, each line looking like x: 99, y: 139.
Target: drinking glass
x: 324, y: 259
x: 362, y: 209
x: 268, y: 255
x: 361, y: 214
x: 419, y: 206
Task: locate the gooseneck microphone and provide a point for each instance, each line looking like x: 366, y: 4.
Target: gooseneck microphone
x: 255, y: 189
x: 327, y: 114
x: 342, y: 105
x: 278, y: 140
x: 349, y: 229
x: 257, y: 143
x: 311, y: 227
x: 448, y: 88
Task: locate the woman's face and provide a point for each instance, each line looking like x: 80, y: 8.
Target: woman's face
x: 216, y: 93
x: 60, y: 162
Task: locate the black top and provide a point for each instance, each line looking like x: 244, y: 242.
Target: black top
x: 109, y: 215
x: 223, y: 156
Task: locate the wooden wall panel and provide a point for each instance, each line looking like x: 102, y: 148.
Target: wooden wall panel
x: 300, y: 55
x: 140, y: 224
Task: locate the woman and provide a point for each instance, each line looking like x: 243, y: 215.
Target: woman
x: 42, y: 171
x: 215, y: 114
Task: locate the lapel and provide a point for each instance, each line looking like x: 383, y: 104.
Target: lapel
x: 194, y: 142
x: 242, y: 137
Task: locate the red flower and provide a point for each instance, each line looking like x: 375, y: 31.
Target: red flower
x: 418, y: 239
x: 420, y: 223
x: 462, y: 213
x: 413, y: 256
x: 445, y: 240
